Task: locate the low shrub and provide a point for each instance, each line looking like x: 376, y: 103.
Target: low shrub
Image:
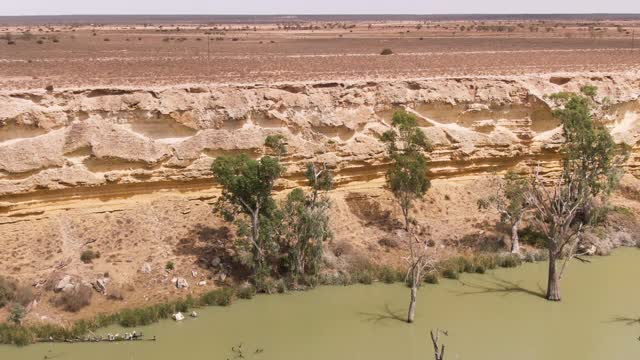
x: 88, y: 256
x: 17, y: 313
x: 389, y: 242
x: 246, y: 292
x: 141, y: 316
x: 169, y: 266
x: 281, y: 286
x: 388, y: 275
x: 219, y: 297
x: 364, y: 277
x: 151, y: 314
x: 310, y: 281
x: 115, y: 293
x: 531, y: 236
x: 487, y: 261
x: 265, y: 285
x: 509, y: 261
x: 11, y: 291
x: 386, y: 51
x: 431, y: 277
x: 16, y: 335
x: 589, y: 90
x: 7, y: 291
x: 75, y: 299
x: 342, y: 248
x: 336, y: 279
x: 450, y: 273
x: 529, y: 257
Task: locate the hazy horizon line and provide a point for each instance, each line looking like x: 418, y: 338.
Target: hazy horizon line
x: 323, y: 14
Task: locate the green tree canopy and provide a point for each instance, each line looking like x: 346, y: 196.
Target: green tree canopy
x: 247, y: 185
x: 589, y: 149
x: 407, y: 177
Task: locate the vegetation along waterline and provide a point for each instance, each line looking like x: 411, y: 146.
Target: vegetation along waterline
x: 369, y: 322
x: 13, y: 333
x: 275, y: 244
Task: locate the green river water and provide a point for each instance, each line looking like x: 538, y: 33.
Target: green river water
x: 500, y: 315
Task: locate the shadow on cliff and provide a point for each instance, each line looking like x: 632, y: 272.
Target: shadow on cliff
x: 371, y: 212
x: 211, y: 246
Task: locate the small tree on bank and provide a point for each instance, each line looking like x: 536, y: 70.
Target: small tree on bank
x: 510, y: 201
x: 284, y: 239
x: 17, y: 313
x: 591, y: 167
x: 407, y: 180
x: 247, y: 185
x: 305, y: 223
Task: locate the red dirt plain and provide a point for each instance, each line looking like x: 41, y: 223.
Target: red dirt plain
x: 162, y: 55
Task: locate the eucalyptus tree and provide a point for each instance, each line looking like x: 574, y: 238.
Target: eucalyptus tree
x: 510, y: 202
x: 305, y: 223
x: 407, y: 177
x: 247, y: 186
x: 591, y: 167
x: 407, y: 180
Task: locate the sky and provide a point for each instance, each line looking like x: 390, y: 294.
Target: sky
x: 220, y: 7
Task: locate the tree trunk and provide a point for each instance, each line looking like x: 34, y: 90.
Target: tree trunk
x: 405, y: 213
x: 412, y: 304
x: 553, y: 289
x: 255, y: 235
x: 515, y: 240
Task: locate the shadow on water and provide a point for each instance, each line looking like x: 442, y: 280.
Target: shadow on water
x: 385, y: 314
x: 496, y: 285
x: 626, y: 320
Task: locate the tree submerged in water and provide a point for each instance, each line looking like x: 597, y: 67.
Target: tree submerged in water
x: 592, y: 166
x: 407, y: 180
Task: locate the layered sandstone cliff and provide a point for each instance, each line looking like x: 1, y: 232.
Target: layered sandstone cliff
x: 125, y: 171
x: 79, y: 139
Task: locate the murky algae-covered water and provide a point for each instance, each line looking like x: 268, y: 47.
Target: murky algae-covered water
x: 499, y: 316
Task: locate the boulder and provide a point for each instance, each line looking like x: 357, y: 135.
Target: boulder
x: 222, y: 277
x: 591, y: 250
x: 202, y: 283
x: 64, y: 284
x: 215, y: 262
x: 178, y: 316
x: 181, y: 283
x: 194, y: 314
x: 100, y: 285
x: 146, y: 268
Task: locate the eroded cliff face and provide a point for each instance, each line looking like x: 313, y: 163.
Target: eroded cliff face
x: 81, y: 139
x: 126, y: 171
